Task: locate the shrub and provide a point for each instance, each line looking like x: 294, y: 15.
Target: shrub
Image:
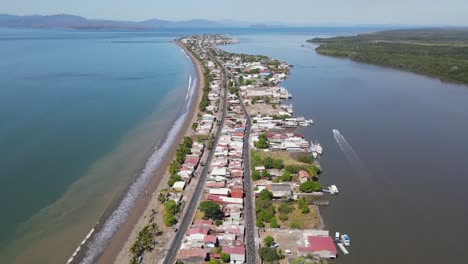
x: 273, y: 223
x: 226, y: 258
x: 295, y: 225
x: 283, y: 217
x: 268, y: 241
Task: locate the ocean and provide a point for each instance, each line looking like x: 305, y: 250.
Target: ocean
x: 80, y: 114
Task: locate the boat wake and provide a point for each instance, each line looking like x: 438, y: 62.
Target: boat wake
x: 102, y: 237
x: 353, y: 159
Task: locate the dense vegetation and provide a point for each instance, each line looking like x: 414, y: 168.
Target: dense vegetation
x: 181, y: 153
x: 264, y: 208
x: 170, y: 210
x: 441, y: 53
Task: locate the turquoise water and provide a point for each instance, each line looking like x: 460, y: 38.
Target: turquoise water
x: 70, y: 103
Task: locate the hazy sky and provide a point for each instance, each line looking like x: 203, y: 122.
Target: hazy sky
x: 453, y: 12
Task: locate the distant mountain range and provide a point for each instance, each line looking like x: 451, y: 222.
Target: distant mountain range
x: 78, y: 22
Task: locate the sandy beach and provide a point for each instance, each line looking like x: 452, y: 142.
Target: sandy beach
x: 117, y: 250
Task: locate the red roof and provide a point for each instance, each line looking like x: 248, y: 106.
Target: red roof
x: 318, y: 243
x: 198, y: 230
x: 203, y: 222
x: 303, y: 173
x: 192, y: 161
x: 237, y: 193
x: 193, y: 252
x: 210, y: 239
x: 234, y: 250
x: 215, y: 198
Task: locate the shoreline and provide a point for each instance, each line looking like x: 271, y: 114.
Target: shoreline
x: 156, y: 181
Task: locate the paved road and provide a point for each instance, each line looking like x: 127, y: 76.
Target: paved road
x: 248, y: 200
x: 193, y: 204
x: 249, y: 210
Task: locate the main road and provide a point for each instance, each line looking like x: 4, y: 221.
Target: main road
x: 249, y: 197
x: 193, y: 204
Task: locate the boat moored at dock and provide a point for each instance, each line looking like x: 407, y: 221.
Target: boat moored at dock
x: 346, y: 240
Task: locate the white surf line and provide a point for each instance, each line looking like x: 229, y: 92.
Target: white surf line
x: 189, y: 87
x: 111, y: 225
x: 79, y: 247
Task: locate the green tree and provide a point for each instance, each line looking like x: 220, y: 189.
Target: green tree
x: 169, y: 219
x: 310, y: 186
x: 171, y: 207
x: 226, y: 258
x: 256, y: 175
x: 268, y: 241
x: 211, y: 210
x: 286, y: 177
x: 268, y: 255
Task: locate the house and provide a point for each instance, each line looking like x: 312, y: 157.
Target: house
x: 237, y: 192
x: 192, y: 162
x: 321, y: 246
x: 197, y: 233
x: 210, y: 241
x: 303, y: 176
x: 280, y: 190
x: 179, y: 186
x: 237, y: 253
x: 220, y: 191
x: 193, y: 255
x: 201, y: 223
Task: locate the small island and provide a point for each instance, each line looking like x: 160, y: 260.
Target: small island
x: 441, y: 53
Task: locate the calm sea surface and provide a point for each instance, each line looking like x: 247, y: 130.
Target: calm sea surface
x: 79, y: 113
x: 402, y: 169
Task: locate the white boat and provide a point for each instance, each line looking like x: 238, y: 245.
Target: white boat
x: 346, y: 240
x: 334, y: 188
x: 337, y: 236
x: 316, y: 148
x: 314, y: 154
x: 343, y: 249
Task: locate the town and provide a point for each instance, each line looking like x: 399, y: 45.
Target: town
x: 244, y: 188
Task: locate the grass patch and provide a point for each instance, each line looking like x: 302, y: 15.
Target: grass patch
x: 305, y: 221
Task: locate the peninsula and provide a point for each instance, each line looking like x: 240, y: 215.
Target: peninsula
x: 440, y: 53
x: 242, y: 185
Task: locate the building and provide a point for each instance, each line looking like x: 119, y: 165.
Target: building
x: 280, y: 190
x: 321, y: 246
x: 179, y: 186
x: 193, y: 255
x: 237, y: 253
x: 303, y: 176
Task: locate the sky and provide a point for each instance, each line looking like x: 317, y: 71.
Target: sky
x: 305, y: 12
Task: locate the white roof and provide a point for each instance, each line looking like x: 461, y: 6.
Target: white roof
x: 220, y: 191
x: 219, y: 172
x: 179, y: 185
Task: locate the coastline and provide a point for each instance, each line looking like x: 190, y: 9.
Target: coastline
x: 117, y: 249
